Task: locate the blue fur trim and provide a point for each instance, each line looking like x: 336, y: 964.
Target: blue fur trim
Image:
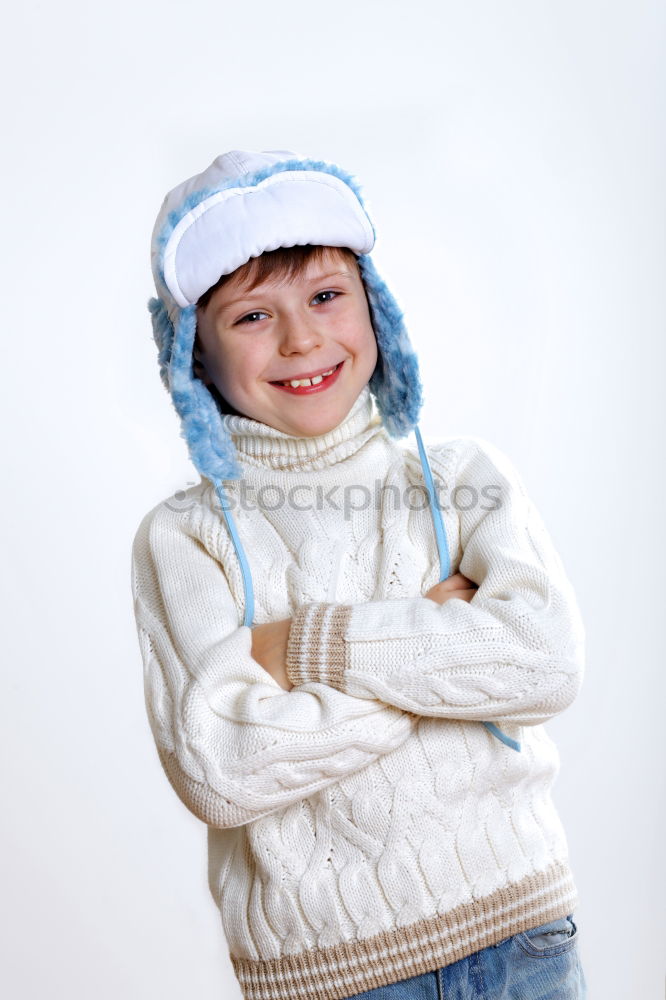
x: 162, y: 335
x: 395, y: 383
x: 210, y: 446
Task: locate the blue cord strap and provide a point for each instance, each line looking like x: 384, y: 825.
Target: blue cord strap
x: 245, y: 568
x: 445, y: 562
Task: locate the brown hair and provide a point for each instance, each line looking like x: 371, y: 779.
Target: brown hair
x: 287, y: 263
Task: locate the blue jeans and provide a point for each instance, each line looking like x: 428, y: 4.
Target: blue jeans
x: 542, y: 963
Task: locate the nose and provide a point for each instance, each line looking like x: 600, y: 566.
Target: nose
x: 298, y: 334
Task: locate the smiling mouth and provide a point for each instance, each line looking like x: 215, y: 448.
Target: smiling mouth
x: 310, y: 380
x: 315, y: 383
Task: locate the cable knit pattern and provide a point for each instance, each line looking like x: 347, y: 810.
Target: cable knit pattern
x: 363, y: 827
x: 515, y: 652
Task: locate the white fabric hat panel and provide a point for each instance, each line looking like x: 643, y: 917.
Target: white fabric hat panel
x: 285, y: 209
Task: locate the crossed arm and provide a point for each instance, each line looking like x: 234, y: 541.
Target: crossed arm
x: 510, y: 648
x: 269, y: 641
x: 236, y: 747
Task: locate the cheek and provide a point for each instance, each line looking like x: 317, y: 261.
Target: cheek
x: 356, y: 326
x: 239, y: 366
x: 366, y: 344
x: 373, y: 347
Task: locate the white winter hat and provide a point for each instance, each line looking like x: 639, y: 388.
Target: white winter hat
x: 232, y: 224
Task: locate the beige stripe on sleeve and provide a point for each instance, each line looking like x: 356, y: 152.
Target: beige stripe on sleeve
x: 316, y: 646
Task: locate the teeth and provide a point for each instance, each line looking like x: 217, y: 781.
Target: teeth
x: 308, y: 381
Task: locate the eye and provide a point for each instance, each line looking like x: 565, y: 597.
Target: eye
x: 248, y: 318
x: 328, y: 291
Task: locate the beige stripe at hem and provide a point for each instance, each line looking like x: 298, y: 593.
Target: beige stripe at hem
x: 341, y: 971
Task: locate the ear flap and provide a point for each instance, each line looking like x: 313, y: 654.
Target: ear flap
x: 395, y: 382
x: 210, y: 447
x: 162, y: 335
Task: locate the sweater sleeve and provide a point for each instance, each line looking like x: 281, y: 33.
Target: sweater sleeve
x: 233, y: 743
x: 513, y: 654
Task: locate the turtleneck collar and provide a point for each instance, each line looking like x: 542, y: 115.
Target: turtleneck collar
x: 261, y: 444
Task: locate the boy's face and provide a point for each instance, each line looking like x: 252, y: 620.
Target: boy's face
x: 251, y: 341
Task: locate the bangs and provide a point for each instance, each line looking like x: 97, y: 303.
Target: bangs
x: 284, y: 264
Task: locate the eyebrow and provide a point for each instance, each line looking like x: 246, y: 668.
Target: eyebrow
x: 314, y: 280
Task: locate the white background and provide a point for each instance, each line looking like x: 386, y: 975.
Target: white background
x: 512, y: 155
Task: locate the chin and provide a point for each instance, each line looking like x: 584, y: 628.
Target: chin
x: 315, y: 428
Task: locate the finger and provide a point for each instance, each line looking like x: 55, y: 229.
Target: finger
x: 465, y: 595
x: 439, y: 597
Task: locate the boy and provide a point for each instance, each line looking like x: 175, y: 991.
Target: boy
x: 365, y: 830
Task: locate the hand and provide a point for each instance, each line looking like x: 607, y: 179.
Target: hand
x: 269, y: 649
x: 456, y: 586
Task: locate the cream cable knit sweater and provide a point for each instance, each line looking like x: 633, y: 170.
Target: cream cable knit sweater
x: 363, y: 827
